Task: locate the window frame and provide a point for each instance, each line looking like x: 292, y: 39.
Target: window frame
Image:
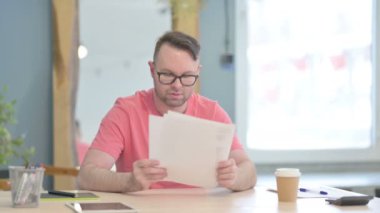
x: 370, y: 154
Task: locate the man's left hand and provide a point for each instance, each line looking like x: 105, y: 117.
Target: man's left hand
x: 227, y: 173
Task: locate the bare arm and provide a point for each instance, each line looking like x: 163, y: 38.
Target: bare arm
x: 238, y: 173
x: 95, y: 174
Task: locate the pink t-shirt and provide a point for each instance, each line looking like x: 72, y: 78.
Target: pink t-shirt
x: 123, y: 132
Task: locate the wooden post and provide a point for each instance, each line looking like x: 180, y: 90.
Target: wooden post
x: 65, y: 28
x: 185, y: 18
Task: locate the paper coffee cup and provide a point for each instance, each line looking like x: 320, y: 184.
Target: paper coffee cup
x: 287, y: 184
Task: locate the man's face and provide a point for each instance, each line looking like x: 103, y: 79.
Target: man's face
x: 171, y: 60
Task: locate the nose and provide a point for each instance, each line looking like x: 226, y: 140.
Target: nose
x: 177, y: 83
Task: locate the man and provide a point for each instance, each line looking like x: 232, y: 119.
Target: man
x: 123, y: 135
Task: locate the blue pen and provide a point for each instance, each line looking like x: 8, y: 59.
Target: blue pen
x: 308, y: 190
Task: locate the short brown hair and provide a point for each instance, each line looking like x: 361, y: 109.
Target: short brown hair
x: 179, y: 40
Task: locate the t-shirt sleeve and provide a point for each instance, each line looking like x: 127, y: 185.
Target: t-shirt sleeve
x: 109, y: 138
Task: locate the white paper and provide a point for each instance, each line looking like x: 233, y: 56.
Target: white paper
x: 314, y: 192
x: 189, y: 147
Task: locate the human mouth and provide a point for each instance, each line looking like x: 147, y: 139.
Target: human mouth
x: 175, y: 95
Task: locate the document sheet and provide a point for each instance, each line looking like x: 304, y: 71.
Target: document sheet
x: 188, y: 147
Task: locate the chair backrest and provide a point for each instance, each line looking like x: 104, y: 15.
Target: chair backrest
x: 4, y: 184
x: 66, y: 171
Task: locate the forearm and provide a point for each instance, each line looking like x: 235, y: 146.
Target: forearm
x: 99, y: 179
x: 246, y: 176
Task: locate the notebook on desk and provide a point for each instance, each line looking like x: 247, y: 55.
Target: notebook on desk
x: 80, y: 196
x: 320, y: 192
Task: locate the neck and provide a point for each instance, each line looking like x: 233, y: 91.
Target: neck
x: 162, y: 108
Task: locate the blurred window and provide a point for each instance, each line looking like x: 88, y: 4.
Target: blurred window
x: 310, y: 74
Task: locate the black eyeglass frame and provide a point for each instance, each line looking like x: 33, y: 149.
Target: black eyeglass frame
x: 175, y: 78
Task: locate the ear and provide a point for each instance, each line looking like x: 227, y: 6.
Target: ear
x: 199, y: 68
x: 151, y: 67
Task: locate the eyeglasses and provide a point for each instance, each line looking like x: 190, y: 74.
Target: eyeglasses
x: 169, y: 78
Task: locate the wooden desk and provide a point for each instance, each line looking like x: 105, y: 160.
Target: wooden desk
x: 200, y: 200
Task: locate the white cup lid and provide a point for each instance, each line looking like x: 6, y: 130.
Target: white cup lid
x: 287, y: 172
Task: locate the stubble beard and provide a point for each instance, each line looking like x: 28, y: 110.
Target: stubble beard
x: 163, y: 96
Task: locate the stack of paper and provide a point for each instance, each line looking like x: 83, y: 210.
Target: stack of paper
x: 188, y: 147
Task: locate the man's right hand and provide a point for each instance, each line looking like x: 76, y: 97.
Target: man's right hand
x: 145, y: 172
x: 95, y: 174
